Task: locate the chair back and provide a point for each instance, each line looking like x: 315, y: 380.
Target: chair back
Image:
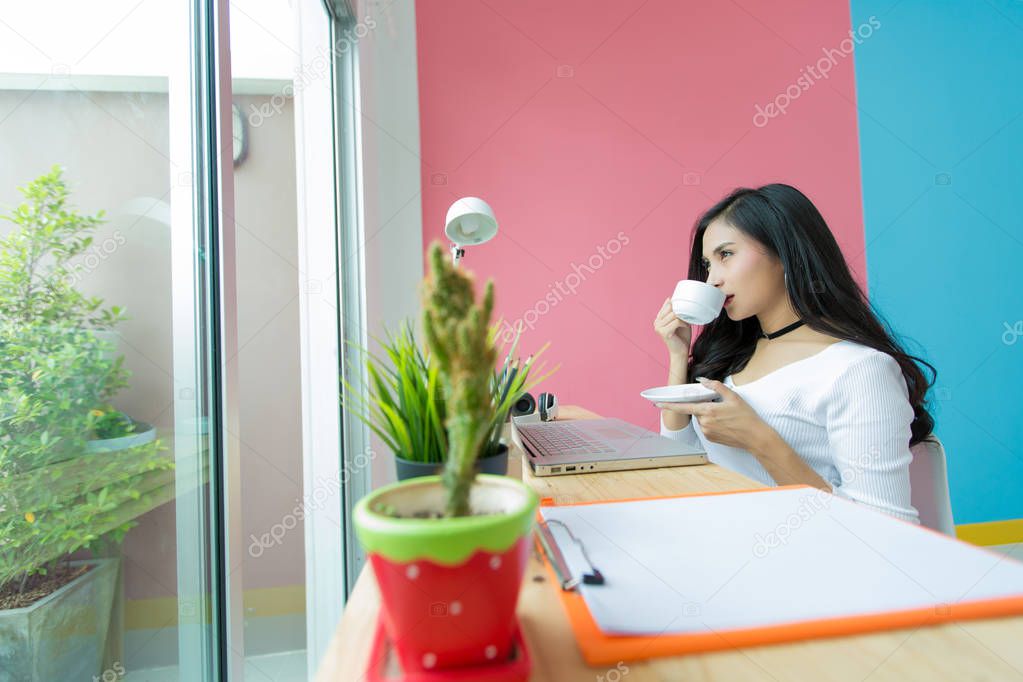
x: 928, y: 478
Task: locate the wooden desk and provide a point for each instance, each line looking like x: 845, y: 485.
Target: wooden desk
x: 970, y: 650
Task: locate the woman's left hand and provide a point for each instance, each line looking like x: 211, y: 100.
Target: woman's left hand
x: 729, y: 422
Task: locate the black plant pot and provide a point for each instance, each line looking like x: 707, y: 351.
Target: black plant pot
x: 496, y: 463
x: 406, y: 468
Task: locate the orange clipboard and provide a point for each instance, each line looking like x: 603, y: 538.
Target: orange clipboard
x: 599, y: 648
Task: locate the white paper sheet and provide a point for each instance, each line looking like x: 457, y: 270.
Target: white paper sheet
x: 722, y: 562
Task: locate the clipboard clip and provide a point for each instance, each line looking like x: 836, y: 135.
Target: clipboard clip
x: 557, y: 559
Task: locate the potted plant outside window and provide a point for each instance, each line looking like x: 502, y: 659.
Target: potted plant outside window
x: 74, y: 473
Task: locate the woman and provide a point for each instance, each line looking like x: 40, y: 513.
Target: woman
x: 815, y: 390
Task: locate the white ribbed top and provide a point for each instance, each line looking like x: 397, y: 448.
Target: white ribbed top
x: 845, y: 410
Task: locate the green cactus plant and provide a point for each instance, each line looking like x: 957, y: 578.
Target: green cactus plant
x: 457, y: 331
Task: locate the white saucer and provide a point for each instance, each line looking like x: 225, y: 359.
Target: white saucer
x: 681, y: 393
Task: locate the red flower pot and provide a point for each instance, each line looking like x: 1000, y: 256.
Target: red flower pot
x: 448, y: 586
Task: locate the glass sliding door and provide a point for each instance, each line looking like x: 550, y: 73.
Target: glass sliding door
x: 300, y: 296
x: 182, y: 266
x: 117, y: 467
x: 266, y: 70
x: 336, y: 453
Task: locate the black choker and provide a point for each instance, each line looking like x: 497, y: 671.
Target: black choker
x: 778, y: 333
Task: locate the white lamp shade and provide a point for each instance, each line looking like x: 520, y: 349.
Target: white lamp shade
x: 470, y: 221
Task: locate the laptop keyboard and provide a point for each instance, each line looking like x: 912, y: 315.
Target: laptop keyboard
x: 564, y: 439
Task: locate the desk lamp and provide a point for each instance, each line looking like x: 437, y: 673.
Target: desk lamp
x: 469, y: 221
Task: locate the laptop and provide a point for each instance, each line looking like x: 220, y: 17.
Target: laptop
x: 592, y: 445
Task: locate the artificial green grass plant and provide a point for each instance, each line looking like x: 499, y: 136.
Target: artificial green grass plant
x: 445, y: 404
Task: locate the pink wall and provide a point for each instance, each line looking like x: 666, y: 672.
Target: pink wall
x: 579, y: 120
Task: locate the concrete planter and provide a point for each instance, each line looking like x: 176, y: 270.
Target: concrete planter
x: 144, y: 433
x: 62, y: 636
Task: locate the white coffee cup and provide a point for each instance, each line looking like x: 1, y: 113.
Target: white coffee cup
x: 697, y: 302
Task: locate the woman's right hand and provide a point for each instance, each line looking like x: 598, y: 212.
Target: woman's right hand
x: 676, y: 333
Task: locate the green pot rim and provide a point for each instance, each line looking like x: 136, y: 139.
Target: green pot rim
x: 448, y: 541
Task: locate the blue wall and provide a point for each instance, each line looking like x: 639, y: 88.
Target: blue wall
x: 940, y: 97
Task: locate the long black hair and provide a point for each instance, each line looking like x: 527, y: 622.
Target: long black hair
x: 819, y: 284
